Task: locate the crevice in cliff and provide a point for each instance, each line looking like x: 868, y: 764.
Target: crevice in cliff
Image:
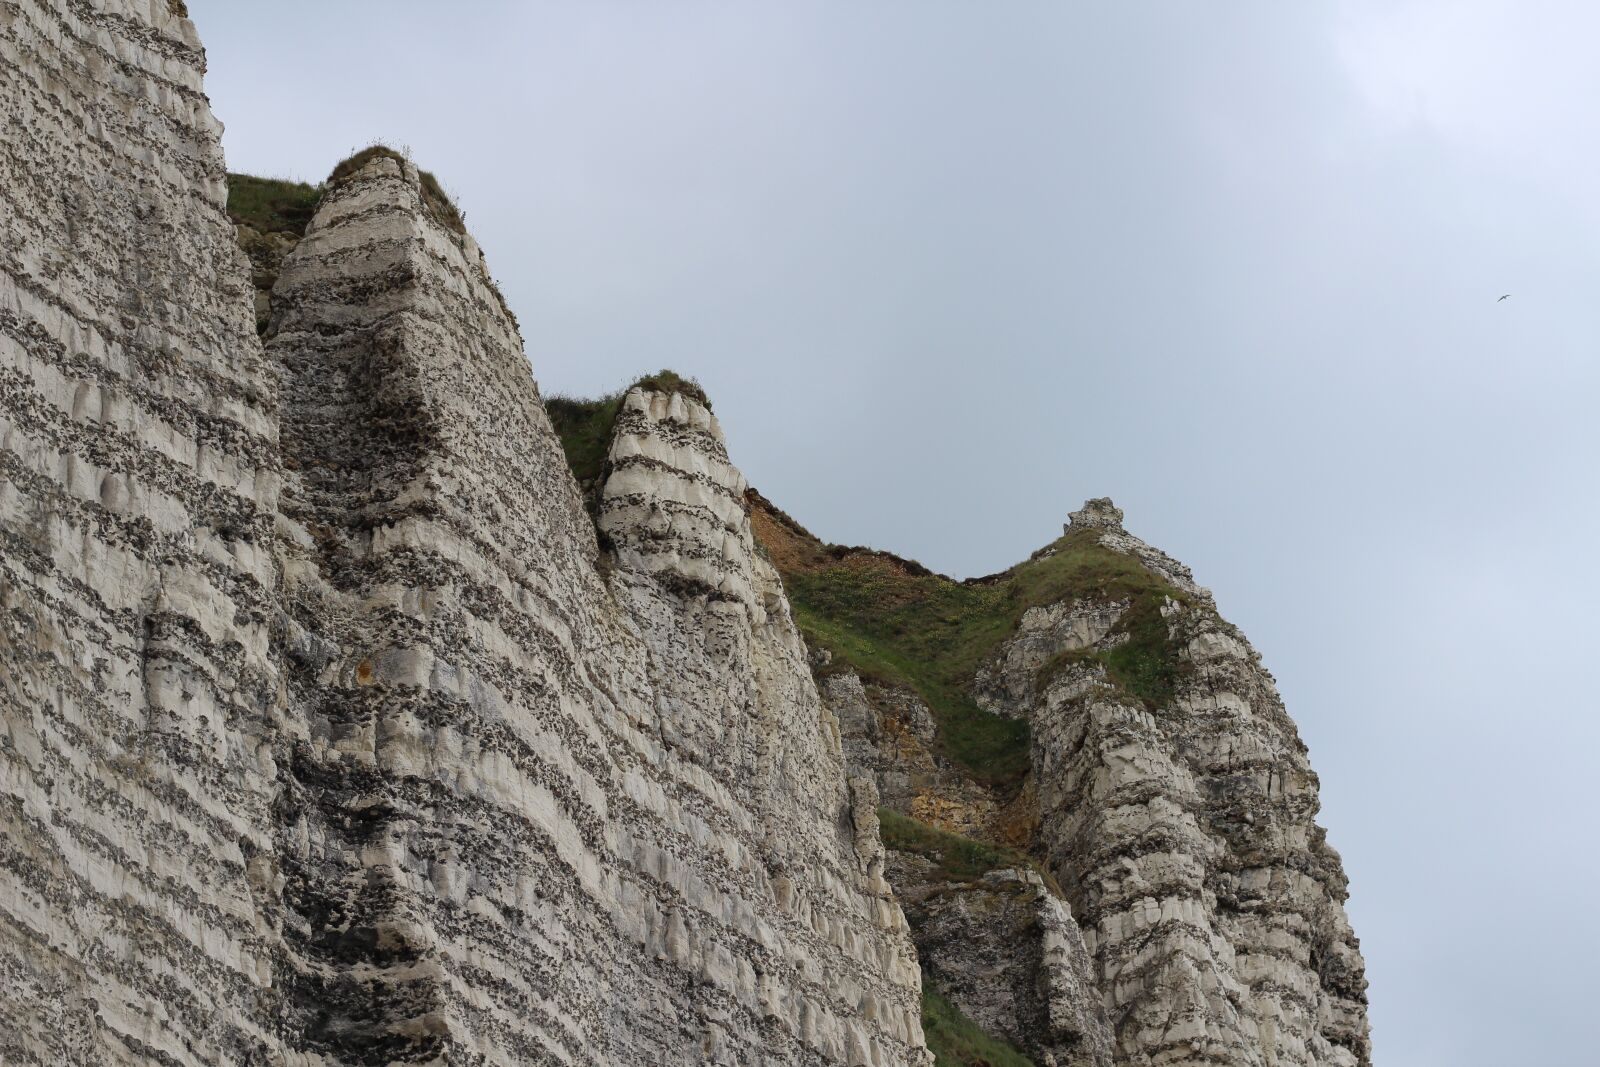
x: 270, y: 217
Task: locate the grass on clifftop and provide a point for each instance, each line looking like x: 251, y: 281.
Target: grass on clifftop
x: 272, y: 205
x: 957, y: 1041
x: 585, y: 425
x: 893, y: 621
x: 438, y: 202
x: 666, y: 381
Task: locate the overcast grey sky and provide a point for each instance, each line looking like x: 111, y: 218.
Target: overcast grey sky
x: 947, y: 269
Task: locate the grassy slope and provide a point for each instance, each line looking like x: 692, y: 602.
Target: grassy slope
x: 956, y: 1041
x: 895, y: 622
x: 272, y: 205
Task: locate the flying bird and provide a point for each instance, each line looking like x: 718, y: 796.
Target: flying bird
x: 1502, y: 298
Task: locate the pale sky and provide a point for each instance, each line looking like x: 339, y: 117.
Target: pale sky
x: 947, y: 269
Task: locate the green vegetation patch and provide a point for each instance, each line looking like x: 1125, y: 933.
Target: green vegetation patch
x: 894, y: 621
x: 992, y: 749
x: 1145, y: 665
x: 955, y: 857
x: 956, y: 1041
x: 438, y: 202
x: 584, y: 427
x: 272, y: 205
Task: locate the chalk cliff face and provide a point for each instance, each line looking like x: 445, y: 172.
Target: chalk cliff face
x: 1165, y: 789
x: 328, y: 738
x: 1184, y: 832
x: 334, y: 729
x: 139, y: 477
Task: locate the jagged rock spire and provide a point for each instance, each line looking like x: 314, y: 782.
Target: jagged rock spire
x: 1099, y: 512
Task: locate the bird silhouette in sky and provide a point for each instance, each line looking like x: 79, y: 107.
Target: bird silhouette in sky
x: 1502, y: 298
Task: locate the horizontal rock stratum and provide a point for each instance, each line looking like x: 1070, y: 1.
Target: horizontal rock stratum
x: 341, y: 724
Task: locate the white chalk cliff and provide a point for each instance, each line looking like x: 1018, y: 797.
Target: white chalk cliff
x: 1184, y: 833
x: 325, y: 739
x: 334, y: 730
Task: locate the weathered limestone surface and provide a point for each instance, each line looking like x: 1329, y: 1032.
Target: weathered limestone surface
x: 1185, y: 837
x: 673, y: 505
x: 138, y: 488
x: 889, y: 735
x: 1005, y: 950
x: 330, y: 735
x: 1004, y: 947
x: 1008, y: 685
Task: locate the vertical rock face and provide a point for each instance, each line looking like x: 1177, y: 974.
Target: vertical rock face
x: 889, y: 735
x: 737, y: 718
x: 138, y: 489
x: 334, y: 731
x: 1183, y: 830
x: 387, y: 764
x: 1005, y: 949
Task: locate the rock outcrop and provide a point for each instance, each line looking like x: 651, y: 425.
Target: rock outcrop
x: 890, y: 735
x: 1003, y: 947
x: 330, y: 733
x: 335, y: 728
x: 1183, y: 828
x: 1166, y: 791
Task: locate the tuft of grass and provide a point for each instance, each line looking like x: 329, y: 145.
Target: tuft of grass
x: 438, y: 202
x: 896, y: 622
x: 666, y: 381
x: 955, y: 857
x: 272, y: 205
x: 356, y: 160
x: 956, y: 1041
